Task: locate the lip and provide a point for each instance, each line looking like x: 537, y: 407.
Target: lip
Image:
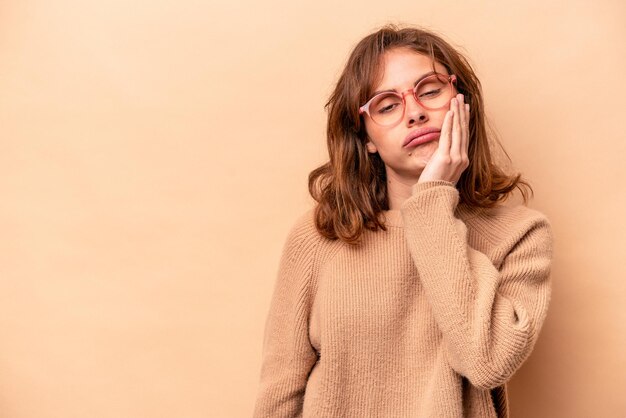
x: 419, y: 136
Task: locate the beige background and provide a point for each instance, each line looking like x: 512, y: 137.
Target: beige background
x: 154, y: 154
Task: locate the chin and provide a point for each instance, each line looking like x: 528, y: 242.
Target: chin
x: 421, y: 160
x: 425, y: 154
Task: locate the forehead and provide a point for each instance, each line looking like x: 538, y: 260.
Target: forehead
x: 401, y: 67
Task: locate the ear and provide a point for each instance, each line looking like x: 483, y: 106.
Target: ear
x: 371, y: 147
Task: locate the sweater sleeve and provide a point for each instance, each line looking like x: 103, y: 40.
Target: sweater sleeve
x: 489, y: 317
x: 287, y: 353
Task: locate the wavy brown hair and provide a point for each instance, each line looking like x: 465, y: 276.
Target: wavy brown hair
x: 351, y: 188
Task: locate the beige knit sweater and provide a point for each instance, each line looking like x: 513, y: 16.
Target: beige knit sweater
x: 428, y: 319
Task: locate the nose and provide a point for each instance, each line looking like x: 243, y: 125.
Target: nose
x: 414, y: 112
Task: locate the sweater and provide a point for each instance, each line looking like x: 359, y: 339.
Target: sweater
x: 430, y: 318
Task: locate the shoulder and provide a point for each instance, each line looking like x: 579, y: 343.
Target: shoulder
x: 506, y: 225
x: 306, y: 242
x: 517, y: 215
x: 303, y: 237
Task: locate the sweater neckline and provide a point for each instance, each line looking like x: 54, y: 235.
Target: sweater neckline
x: 393, y: 217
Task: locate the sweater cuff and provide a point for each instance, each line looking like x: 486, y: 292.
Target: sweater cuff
x: 429, y: 197
x: 418, y: 187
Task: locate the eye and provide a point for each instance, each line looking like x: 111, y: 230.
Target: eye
x: 387, y: 108
x: 386, y: 103
x: 431, y: 93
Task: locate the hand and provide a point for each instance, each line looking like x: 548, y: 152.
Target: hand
x: 450, y: 158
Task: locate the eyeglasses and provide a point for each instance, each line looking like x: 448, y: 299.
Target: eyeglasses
x: 433, y: 92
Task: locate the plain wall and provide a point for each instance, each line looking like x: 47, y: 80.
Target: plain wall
x: 153, y: 155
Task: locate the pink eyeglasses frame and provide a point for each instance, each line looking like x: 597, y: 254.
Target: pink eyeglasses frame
x: 366, y: 107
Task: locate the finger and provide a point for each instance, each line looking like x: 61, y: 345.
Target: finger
x: 446, y: 130
x: 467, y: 122
x: 455, y: 147
x: 462, y: 123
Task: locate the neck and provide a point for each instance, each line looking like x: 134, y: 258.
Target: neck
x: 399, y: 188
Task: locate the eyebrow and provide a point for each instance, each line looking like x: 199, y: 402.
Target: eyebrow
x: 414, y: 84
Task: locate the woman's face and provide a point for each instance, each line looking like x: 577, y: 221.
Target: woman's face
x: 402, y: 68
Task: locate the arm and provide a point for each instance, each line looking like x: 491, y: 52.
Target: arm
x: 490, y: 317
x: 287, y: 354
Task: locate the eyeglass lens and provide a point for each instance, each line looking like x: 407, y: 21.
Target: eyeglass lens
x: 433, y: 92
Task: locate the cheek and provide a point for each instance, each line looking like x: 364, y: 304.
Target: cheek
x: 378, y: 136
x: 441, y: 119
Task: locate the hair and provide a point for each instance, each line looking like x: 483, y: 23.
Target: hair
x: 351, y: 188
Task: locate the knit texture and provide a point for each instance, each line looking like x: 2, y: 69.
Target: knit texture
x: 428, y: 319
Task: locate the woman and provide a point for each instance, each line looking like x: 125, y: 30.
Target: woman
x: 410, y: 290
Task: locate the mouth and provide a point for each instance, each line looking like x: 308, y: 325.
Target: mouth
x: 423, y: 139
